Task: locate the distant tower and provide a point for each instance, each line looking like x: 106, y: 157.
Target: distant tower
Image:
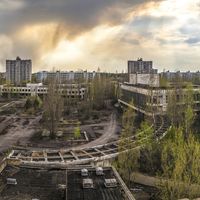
x: 141, y: 67
x: 18, y: 71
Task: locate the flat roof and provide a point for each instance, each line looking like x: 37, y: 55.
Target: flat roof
x: 75, y: 190
x: 59, y: 184
x: 33, y: 184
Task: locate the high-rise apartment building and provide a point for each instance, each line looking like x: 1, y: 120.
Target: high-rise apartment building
x: 18, y: 71
x: 141, y: 67
x: 142, y: 73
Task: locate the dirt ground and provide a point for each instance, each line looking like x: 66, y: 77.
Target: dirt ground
x: 21, y: 131
x: 97, y: 133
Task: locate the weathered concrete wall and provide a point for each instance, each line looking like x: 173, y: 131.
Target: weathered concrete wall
x: 145, y: 79
x: 133, y: 79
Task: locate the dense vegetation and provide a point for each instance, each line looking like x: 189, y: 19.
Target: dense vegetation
x: 174, y: 160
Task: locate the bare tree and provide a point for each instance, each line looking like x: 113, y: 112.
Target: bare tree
x: 53, y: 107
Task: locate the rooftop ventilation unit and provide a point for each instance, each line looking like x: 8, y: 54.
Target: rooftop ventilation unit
x: 110, y: 183
x: 99, y: 171
x: 84, y: 172
x: 11, y: 181
x: 88, y: 183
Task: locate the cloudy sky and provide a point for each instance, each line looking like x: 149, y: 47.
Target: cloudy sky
x: 87, y: 34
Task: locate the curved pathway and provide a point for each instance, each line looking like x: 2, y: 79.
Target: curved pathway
x: 81, y: 155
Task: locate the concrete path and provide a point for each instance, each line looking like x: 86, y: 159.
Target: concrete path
x: 109, y: 134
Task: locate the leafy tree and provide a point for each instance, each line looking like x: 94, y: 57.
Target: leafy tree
x: 128, y: 119
x: 28, y: 103
x: 189, y: 109
x: 101, y: 88
x: 77, y: 132
x: 33, y: 102
x: 37, y: 103
x: 149, y: 151
x: 174, y: 107
x: 180, y: 107
x: 144, y: 134
x: 180, y: 165
x: 127, y: 161
x: 150, y: 158
x: 164, y: 82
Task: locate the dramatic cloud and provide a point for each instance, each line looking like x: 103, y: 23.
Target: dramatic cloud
x: 99, y: 33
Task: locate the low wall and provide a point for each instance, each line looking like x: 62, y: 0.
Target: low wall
x: 3, y: 164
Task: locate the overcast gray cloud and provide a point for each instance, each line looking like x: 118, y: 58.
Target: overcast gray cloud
x: 72, y: 32
x: 72, y: 18
x: 75, y: 15
x: 193, y: 40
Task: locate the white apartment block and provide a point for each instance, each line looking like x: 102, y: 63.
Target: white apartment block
x: 67, y: 90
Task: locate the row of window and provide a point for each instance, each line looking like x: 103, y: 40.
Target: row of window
x: 42, y: 90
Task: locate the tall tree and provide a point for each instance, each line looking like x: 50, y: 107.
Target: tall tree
x: 175, y: 102
x: 189, y: 114
x: 101, y: 88
x: 53, y: 107
x: 181, y: 166
x: 127, y: 161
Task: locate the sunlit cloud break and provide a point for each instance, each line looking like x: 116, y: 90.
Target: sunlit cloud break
x: 87, y: 34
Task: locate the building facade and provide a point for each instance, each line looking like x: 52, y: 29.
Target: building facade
x: 142, y: 73
x: 186, y: 76
x: 148, y: 97
x: 141, y: 67
x: 64, y: 76
x: 18, y: 71
x: 149, y: 100
x: 73, y: 91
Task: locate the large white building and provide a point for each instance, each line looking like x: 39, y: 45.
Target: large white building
x: 18, y: 71
x: 72, y: 91
x: 148, y: 97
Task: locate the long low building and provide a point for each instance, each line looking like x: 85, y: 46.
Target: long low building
x: 146, y: 94
x: 67, y: 90
x: 150, y: 100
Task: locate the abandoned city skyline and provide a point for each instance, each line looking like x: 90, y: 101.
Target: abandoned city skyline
x: 69, y: 35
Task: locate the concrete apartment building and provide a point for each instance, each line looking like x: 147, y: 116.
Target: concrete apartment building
x: 64, y: 76
x: 141, y: 67
x: 188, y: 76
x: 67, y: 90
x: 18, y: 71
x: 146, y: 93
x: 141, y: 72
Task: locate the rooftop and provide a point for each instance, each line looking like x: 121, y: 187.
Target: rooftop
x: 32, y: 184
x: 99, y: 190
x: 21, y: 183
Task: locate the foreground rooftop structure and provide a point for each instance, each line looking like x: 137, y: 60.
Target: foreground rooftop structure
x: 62, y: 184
